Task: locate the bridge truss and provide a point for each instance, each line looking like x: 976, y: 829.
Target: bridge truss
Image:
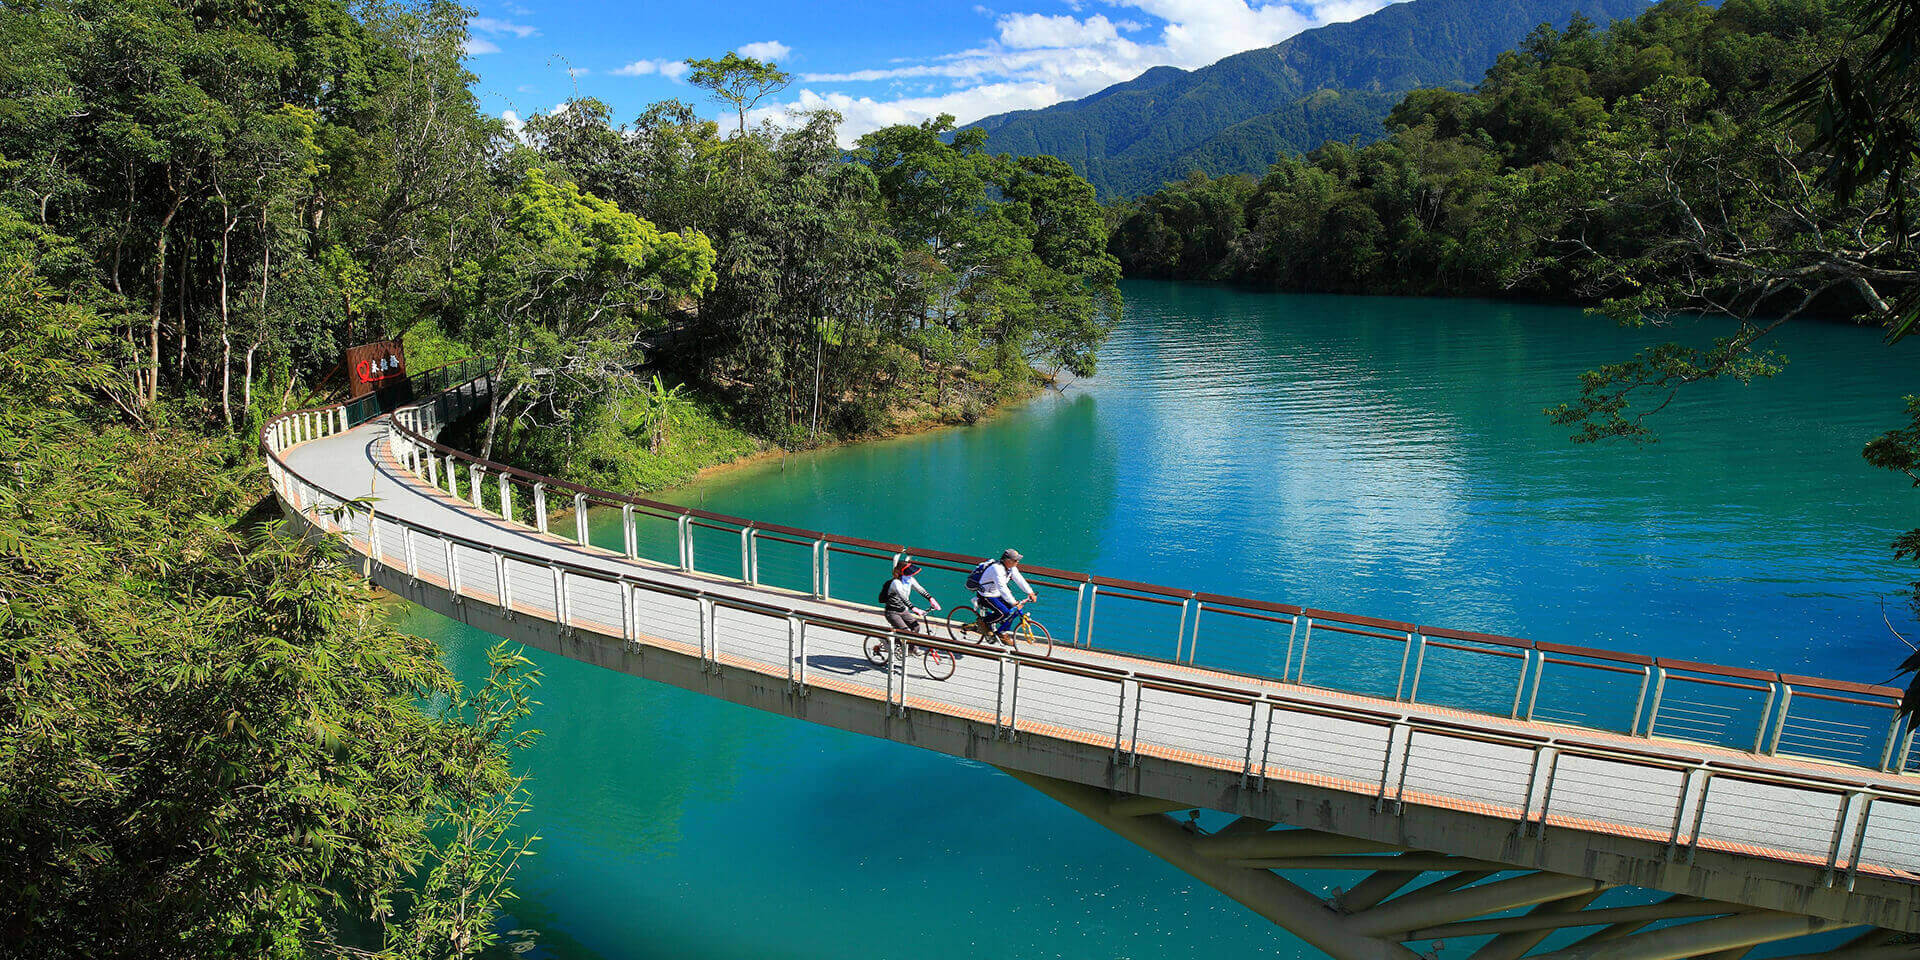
x: 1427, y: 897
x: 1502, y: 833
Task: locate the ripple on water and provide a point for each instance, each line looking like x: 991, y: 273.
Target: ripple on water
x: 1377, y: 455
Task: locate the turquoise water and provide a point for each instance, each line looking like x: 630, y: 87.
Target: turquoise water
x: 1379, y: 456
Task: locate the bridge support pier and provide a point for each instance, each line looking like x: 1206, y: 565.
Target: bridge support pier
x: 1467, y: 899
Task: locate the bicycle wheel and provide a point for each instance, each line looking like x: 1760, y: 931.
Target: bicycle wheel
x: 938, y: 663
x: 963, y: 625
x: 876, y: 650
x: 1035, y: 634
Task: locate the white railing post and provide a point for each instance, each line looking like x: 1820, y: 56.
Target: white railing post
x: 703, y: 605
x: 504, y: 583
x: 1653, y: 710
x: 1406, y: 654
x: 453, y: 477
x: 684, y: 525
x: 560, y: 597
x: 540, y: 507
x: 453, y: 570
x: 629, y: 539
x: 1180, y: 632
x: 803, y: 658
x: 1772, y: 739
x: 793, y: 636
x: 580, y: 519
x: 629, y: 599
x: 1079, y: 603
x: 1093, y: 600
x: 506, y: 499
x: 477, y: 485
x: 433, y: 472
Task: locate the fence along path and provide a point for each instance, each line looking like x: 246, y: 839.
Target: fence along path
x: 717, y: 595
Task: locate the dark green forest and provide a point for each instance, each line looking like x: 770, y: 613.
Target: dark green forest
x: 1655, y: 168
x: 1335, y: 82
x: 211, y: 743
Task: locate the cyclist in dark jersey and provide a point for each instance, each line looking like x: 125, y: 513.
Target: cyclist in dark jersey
x: 897, y: 599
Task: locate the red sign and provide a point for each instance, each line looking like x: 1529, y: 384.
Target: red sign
x: 372, y: 366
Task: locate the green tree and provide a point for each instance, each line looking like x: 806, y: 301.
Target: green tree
x: 559, y: 300
x: 211, y: 743
x: 739, y: 82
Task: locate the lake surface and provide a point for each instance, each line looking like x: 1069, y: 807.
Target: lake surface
x: 1379, y: 456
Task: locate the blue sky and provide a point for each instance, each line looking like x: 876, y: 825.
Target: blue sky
x: 876, y: 63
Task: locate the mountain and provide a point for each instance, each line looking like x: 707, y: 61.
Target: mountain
x: 1240, y: 114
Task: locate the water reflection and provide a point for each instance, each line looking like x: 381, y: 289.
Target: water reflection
x: 1376, y: 455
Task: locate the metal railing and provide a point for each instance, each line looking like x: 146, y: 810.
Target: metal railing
x: 1540, y: 781
x: 1737, y: 708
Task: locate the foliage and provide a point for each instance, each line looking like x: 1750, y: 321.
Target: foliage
x: 924, y: 274
x: 694, y: 434
x: 210, y: 742
x: 1750, y: 163
x: 260, y: 185
x: 739, y: 82
x: 1237, y: 116
x: 559, y: 296
x: 1549, y: 179
x: 656, y: 407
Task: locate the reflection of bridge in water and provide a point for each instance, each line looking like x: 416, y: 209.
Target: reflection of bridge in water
x: 1520, y: 797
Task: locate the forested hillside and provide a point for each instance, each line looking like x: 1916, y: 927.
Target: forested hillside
x: 1539, y: 181
x: 1654, y: 168
x: 1238, y: 115
x: 211, y: 744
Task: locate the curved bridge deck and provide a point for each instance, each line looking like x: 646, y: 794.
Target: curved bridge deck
x: 1772, y: 832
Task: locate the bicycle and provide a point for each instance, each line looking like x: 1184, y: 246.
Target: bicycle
x: 964, y: 626
x: 935, y: 662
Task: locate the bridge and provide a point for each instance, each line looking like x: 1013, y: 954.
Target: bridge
x: 1523, y: 798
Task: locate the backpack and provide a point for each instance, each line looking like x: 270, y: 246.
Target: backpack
x: 886, y: 593
x: 973, y: 579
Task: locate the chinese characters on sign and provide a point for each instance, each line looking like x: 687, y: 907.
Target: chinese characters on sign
x: 372, y: 366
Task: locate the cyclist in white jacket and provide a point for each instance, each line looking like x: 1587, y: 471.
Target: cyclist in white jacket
x: 995, y: 595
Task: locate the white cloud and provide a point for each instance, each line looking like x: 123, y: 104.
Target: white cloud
x: 1026, y: 31
x: 578, y: 71
x: 865, y: 114
x: 1037, y: 59
x: 671, y: 69
x: 765, y: 50
x: 476, y: 46
x: 496, y: 27
x: 513, y: 122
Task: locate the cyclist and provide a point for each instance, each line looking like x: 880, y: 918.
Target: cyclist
x: 896, y: 598
x: 993, y: 583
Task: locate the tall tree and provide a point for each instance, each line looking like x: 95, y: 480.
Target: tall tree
x: 559, y: 300
x: 739, y: 82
